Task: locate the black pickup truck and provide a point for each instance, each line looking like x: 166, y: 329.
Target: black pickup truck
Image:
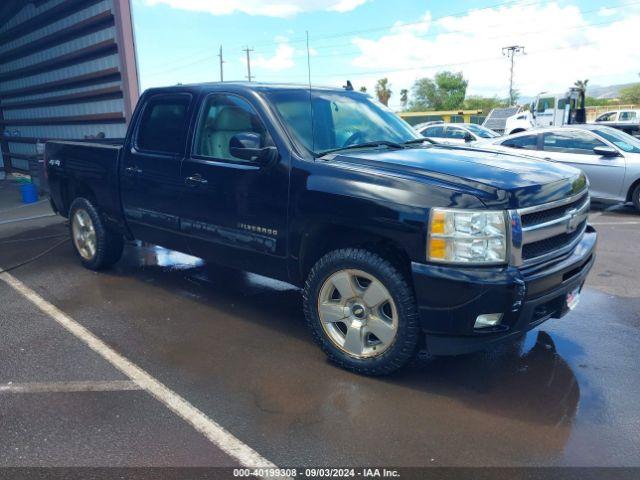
x: 398, y: 244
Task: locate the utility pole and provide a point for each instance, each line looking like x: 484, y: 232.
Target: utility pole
x: 248, y: 51
x: 510, y: 52
x: 221, y: 62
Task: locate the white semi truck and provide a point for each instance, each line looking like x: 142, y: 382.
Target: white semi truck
x: 549, y: 110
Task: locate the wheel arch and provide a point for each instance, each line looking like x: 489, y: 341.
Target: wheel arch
x: 632, y: 188
x: 327, y: 238
x: 72, y: 189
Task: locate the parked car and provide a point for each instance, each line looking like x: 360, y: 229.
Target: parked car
x: 609, y: 157
x: 456, y: 133
x: 397, y: 244
x: 626, y: 120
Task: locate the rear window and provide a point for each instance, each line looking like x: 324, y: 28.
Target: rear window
x: 434, y: 131
x: 163, y: 124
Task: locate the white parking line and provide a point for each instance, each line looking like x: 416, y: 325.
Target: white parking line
x: 24, y: 219
x: 215, y: 433
x: 70, y: 387
x: 614, y: 223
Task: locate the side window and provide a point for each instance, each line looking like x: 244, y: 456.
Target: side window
x: 163, y: 124
x: 570, y: 142
x: 224, y: 116
x: 437, y: 131
x: 627, y: 116
x: 545, y: 103
x: 526, y: 142
x: 606, y: 117
x: 455, y: 132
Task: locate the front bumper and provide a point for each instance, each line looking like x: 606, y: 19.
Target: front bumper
x: 450, y: 299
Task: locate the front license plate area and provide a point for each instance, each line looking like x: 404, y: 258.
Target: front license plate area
x: 573, y: 298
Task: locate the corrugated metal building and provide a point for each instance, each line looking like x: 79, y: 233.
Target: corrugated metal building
x: 67, y: 71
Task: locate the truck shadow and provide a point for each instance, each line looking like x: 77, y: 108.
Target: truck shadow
x: 533, y: 384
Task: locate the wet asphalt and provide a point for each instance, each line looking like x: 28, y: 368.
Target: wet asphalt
x: 234, y: 345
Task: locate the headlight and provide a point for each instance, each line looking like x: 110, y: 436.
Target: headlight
x: 467, y: 236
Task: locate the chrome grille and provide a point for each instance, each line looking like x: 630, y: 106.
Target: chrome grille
x: 547, y: 231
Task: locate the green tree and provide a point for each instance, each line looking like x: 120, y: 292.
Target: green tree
x: 383, y: 92
x: 404, y: 98
x: 363, y: 89
x: 446, y: 91
x: 630, y: 94
x: 477, y: 102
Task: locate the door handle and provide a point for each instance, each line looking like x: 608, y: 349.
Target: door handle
x: 195, y: 180
x: 134, y: 170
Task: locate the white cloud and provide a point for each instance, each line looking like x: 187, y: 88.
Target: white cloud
x: 345, y: 5
x: 282, y: 59
x: 560, y: 43
x: 606, y: 12
x: 268, y: 8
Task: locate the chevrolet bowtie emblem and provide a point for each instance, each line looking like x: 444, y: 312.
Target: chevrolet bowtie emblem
x: 573, y: 221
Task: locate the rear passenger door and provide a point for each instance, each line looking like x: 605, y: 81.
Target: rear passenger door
x: 150, y: 171
x: 575, y: 148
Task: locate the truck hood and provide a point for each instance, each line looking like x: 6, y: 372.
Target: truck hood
x: 497, y: 179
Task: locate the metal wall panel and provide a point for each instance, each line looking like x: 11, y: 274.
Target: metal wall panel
x: 85, y: 108
x: 67, y: 70
x: 48, y: 95
x: 59, y: 50
x: 28, y: 12
x: 68, y: 132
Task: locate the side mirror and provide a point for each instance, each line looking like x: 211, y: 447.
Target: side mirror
x: 468, y: 137
x: 247, y: 146
x: 606, y: 151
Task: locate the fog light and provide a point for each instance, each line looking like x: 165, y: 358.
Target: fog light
x: 488, y: 320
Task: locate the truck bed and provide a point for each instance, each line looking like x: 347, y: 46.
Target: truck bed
x: 90, y: 166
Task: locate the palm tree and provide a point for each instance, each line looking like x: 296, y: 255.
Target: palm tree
x: 581, y: 84
x: 404, y: 98
x: 382, y: 91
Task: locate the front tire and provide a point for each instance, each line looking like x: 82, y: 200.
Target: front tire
x: 635, y: 197
x: 362, y: 312
x: 97, y: 247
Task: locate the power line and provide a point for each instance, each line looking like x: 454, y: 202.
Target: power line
x: 510, y: 52
x: 177, y: 66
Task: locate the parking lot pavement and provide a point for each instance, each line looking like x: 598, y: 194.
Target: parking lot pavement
x: 234, y: 346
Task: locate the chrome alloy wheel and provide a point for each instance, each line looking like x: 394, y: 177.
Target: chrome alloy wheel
x: 357, y: 313
x: 84, y: 234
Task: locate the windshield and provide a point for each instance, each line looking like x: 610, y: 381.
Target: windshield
x: 340, y: 119
x: 481, y: 131
x: 622, y: 140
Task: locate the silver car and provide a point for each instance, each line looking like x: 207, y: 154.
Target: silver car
x: 455, y: 133
x: 610, y: 158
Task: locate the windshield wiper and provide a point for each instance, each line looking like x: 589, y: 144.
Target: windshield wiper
x: 377, y: 143
x: 420, y: 140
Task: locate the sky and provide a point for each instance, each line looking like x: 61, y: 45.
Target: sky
x: 178, y: 41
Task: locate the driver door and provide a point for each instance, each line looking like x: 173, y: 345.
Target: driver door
x: 234, y: 210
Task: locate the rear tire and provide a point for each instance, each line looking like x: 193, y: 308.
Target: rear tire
x: 362, y: 312
x: 97, y: 247
x: 635, y: 197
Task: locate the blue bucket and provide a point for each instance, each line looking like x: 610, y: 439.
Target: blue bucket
x: 29, y: 193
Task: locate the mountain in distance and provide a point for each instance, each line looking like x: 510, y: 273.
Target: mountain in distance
x: 597, y: 91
